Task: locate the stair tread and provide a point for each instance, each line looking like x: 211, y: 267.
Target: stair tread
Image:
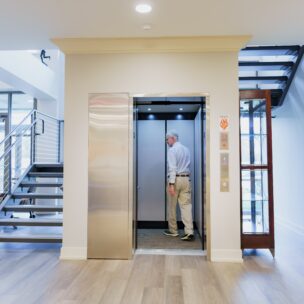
x: 31, y: 207
x: 36, y: 195
x: 31, y: 238
x: 38, y: 184
x: 30, y: 222
x: 42, y: 220
x: 39, y: 165
x: 46, y: 174
x: 34, y: 236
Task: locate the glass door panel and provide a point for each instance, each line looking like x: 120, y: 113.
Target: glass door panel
x: 255, y: 201
x: 256, y: 170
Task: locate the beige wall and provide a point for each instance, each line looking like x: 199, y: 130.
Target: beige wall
x: 212, y: 73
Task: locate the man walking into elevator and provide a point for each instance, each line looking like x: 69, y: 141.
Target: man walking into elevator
x: 179, y: 187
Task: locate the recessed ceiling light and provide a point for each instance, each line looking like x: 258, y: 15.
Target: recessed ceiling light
x: 147, y: 27
x: 151, y: 116
x: 143, y: 8
x: 181, y: 109
x: 149, y: 109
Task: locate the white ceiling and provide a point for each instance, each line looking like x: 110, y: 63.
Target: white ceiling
x: 30, y: 24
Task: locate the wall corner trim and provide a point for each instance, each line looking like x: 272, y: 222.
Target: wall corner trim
x: 197, y: 44
x: 73, y: 253
x: 227, y: 255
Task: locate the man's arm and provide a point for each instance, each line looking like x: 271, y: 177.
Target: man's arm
x: 172, y: 166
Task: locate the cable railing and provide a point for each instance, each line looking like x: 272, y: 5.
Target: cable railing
x: 37, y: 139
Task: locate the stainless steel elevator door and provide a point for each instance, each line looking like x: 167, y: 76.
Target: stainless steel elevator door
x: 151, y: 170
x: 109, y: 232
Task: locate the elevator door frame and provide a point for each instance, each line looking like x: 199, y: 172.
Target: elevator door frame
x: 205, y: 190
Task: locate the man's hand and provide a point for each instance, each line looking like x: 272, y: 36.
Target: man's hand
x: 171, y: 190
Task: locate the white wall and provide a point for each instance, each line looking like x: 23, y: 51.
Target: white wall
x: 214, y: 73
x: 288, y: 161
x: 24, y: 71
x: 56, y: 65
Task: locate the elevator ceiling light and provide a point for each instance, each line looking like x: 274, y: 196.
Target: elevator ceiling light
x: 143, y: 8
x: 181, y: 109
x: 149, y: 109
x: 151, y: 116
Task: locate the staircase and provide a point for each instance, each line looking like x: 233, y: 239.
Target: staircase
x: 269, y: 68
x: 31, y: 179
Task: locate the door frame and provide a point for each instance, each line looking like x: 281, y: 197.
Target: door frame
x: 260, y: 240
x: 206, y: 243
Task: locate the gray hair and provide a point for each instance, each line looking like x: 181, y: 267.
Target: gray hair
x: 172, y: 133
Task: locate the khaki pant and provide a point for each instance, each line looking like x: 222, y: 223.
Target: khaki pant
x: 183, y: 197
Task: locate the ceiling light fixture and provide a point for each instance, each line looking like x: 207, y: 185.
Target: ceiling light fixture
x: 149, y: 109
x: 147, y: 27
x: 143, y: 8
x: 151, y: 116
x: 181, y: 109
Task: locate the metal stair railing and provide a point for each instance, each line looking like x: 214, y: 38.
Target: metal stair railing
x: 49, y: 141
x: 37, y: 139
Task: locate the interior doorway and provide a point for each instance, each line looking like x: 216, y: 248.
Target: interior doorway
x: 153, y: 118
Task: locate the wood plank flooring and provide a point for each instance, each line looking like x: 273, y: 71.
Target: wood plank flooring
x: 35, y: 275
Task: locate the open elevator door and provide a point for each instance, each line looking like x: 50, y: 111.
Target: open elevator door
x: 152, y: 211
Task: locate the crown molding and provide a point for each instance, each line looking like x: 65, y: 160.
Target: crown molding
x: 151, y: 45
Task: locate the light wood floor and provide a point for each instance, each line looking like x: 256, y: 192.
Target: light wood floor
x: 37, y: 276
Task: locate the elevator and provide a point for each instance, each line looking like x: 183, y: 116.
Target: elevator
x: 154, y: 118
x: 127, y: 177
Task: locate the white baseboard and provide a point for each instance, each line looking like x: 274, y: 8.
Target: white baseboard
x: 290, y: 225
x: 73, y: 253
x: 227, y: 255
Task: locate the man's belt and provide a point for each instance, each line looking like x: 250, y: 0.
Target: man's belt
x: 182, y: 175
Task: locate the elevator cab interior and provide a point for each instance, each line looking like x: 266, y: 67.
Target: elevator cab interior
x: 153, y: 118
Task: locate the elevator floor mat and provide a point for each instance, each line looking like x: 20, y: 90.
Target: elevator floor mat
x: 155, y: 239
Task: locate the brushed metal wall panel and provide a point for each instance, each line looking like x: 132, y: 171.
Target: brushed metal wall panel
x: 108, y: 209
x: 151, y: 170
